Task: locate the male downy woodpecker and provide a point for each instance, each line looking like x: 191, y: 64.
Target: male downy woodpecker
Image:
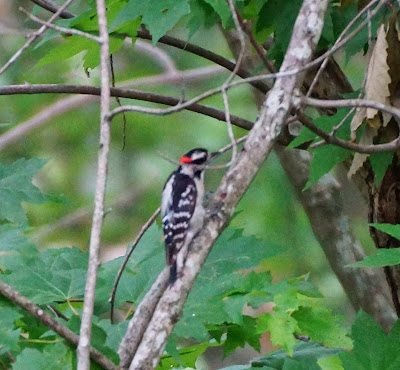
x: 182, y: 209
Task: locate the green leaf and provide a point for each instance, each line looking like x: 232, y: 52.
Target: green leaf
x: 369, y: 345
x: 115, y: 333
x: 239, y: 335
x: 53, y: 357
x: 380, y: 163
x: 330, y: 363
x: 319, y: 324
x: 392, y: 230
x: 188, y: 356
x: 158, y: 16
x: 305, y: 353
x: 221, y: 7
x: 142, y: 269
x: 278, y: 17
x: 290, y: 364
x: 9, y: 335
x: 325, y: 123
x: 281, y: 327
x: 325, y: 158
x: 373, y: 349
x: 16, y: 187
x: 12, y: 239
x: 221, y: 277
x: 54, y: 275
x: 71, y: 46
x: 384, y: 257
x: 201, y: 16
x: 74, y: 45
x: 341, y: 16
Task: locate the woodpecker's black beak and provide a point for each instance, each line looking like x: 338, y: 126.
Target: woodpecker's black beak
x: 213, y: 155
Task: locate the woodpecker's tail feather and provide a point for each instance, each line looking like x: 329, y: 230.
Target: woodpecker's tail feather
x: 173, y: 273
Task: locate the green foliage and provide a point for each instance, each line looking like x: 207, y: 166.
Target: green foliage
x: 373, y: 349
x: 236, y: 273
x: 54, y: 275
x: 383, y: 257
x: 295, y: 313
x: 325, y: 158
x: 9, y: 335
x: 158, y: 16
x: 306, y: 355
x: 213, y: 310
x: 380, y: 163
x: 278, y: 17
x: 393, y: 230
x: 57, y: 356
x: 16, y: 187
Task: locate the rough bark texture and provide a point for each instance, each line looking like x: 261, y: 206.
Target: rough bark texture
x: 366, y: 288
x: 306, y: 34
x: 385, y: 208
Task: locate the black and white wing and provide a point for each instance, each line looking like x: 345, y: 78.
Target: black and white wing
x: 177, y: 207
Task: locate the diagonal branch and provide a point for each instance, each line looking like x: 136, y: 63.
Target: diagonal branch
x: 235, y: 183
x: 52, y: 6
x: 52, y: 324
x: 101, y: 181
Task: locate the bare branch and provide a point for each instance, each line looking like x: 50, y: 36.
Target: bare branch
x: 349, y: 103
x: 359, y: 148
x: 34, y: 37
x: 52, y: 6
x: 258, y: 145
x: 101, y: 181
x: 52, y: 324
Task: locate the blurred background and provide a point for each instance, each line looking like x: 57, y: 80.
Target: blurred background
x: 69, y: 141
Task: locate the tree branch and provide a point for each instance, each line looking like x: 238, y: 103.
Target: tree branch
x: 236, y: 181
x: 101, y: 181
x: 34, y: 37
x: 122, y: 93
x: 359, y: 148
x: 53, y: 7
x: 52, y: 324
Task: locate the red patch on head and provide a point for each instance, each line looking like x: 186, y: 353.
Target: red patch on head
x: 185, y: 159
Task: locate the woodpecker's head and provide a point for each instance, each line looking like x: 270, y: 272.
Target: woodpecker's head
x: 194, y: 160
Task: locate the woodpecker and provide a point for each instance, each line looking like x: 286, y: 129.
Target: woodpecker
x: 182, y: 209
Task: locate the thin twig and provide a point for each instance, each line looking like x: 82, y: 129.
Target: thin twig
x: 144, y: 228
x: 124, y: 123
x: 101, y: 181
x: 341, y: 36
x: 52, y: 324
x: 226, y: 84
x: 71, y: 31
x: 351, y: 103
x: 33, y: 38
